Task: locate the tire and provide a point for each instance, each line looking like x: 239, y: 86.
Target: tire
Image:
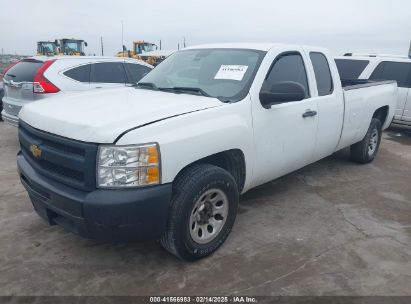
x: 365, y: 151
x: 203, y: 196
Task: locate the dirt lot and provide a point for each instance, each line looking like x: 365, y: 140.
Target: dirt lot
x: 332, y: 228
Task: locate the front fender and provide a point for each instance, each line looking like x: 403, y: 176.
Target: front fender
x: 187, y: 138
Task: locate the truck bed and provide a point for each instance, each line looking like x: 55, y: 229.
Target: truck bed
x: 352, y: 84
x: 361, y: 99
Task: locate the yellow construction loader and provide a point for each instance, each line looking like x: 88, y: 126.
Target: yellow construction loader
x: 47, y: 48
x: 71, y: 47
x: 139, y: 50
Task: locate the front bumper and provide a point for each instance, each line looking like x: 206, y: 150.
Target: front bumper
x: 10, y: 119
x: 107, y: 215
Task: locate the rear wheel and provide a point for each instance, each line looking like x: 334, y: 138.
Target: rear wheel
x: 365, y: 151
x: 203, y: 210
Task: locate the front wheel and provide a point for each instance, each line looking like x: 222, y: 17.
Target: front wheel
x: 365, y: 151
x: 203, y: 210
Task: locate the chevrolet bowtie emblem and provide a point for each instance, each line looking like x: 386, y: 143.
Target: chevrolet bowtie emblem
x: 36, y: 151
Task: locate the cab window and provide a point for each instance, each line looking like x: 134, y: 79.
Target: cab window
x: 322, y: 73
x: 288, y: 67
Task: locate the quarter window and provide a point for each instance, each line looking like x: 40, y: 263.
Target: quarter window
x: 136, y: 71
x: 108, y: 72
x: 287, y: 67
x: 322, y: 74
x: 81, y: 73
x: 398, y: 71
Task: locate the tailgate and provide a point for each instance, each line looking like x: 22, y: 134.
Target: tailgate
x: 18, y: 81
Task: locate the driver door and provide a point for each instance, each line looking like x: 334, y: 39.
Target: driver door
x: 285, y: 133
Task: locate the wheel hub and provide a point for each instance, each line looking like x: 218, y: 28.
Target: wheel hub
x: 208, y: 216
x: 205, y: 213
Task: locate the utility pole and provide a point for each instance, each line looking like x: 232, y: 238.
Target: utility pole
x: 178, y: 46
x: 122, y: 35
x: 409, y: 52
x: 102, y: 47
x: 184, y: 43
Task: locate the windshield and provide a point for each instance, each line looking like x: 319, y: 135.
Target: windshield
x: 47, y: 47
x: 23, y: 71
x: 72, y: 47
x: 145, y: 47
x: 226, y: 74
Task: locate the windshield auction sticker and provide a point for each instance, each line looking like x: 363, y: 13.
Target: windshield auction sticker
x: 231, y: 72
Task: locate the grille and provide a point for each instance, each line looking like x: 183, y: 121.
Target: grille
x: 11, y: 109
x: 64, y: 160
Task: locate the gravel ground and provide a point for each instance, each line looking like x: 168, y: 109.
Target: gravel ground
x: 331, y: 228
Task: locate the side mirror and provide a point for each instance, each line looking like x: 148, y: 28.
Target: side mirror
x: 281, y: 92
x: 85, y: 43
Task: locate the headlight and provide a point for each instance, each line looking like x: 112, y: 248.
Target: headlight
x: 128, y: 166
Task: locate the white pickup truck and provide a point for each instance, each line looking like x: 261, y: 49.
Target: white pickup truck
x: 169, y: 158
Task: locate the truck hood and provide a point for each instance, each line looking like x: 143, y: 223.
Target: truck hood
x: 101, y: 116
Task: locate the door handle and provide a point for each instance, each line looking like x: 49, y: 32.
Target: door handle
x: 309, y: 113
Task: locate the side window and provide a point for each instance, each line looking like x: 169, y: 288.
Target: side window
x: 350, y: 69
x: 322, y: 73
x: 398, y: 71
x: 108, y: 72
x: 81, y: 73
x: 136, y: 71
x: 287, y: 68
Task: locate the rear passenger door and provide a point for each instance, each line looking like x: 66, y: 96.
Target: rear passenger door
x: 330, y: 103
x: 400, y: 72
x: 107, y: 75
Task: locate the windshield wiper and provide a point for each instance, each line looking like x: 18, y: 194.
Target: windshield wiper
x: 188, y: 90
x: 149, y: 85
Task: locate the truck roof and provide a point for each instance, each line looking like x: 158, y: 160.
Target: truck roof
x: 247, y: 45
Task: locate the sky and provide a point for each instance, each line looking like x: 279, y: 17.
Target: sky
x: 372, y: 26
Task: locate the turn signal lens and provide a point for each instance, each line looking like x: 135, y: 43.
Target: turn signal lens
x: 153, y: 175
